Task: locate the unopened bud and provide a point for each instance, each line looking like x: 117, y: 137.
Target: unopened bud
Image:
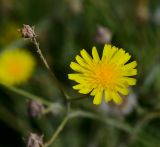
x: 103, y: 35
x: 27, y: 32
x: 35, y: 108
x: 142, y: 11
x: 34, y: 140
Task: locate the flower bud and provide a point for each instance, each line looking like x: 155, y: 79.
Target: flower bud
x: 103, y: 35
x: 35, y: 108
x: 142, y: 11
x: 34, y: 140
x: 27, y: 32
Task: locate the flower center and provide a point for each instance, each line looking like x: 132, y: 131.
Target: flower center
x: 106, y: 75
x: 15, y: 68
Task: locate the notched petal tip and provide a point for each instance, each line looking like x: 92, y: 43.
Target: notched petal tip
x: 107, y: 45
x: 107, y: 96
x: 83, y: 52
x: 76, y: 87
x: 116, y: 98
x: 85, y: 91
x: 133, y: 82
x: 86, y: 56
x: 96, y: 102
x: 69, y: 76
x: 71, y: 64
x: 135, y: 63
x: 118, y: 101
x: 95, y: 54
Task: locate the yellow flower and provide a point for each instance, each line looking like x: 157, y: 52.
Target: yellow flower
x: 108, y: 77
x: 16, y: 66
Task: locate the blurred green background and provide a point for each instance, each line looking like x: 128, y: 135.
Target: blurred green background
x: 64, y: 27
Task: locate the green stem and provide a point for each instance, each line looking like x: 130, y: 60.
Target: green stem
x: 109, y: 121
x: 28, y: 95
x: 35, y: 42
x: 146, y: 119
x: 52, y: 107
x: 55, y: 135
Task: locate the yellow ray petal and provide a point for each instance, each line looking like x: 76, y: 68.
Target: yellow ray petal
x: 77, y: 77
x: 111, y: 53
x: 131, y: 72
x: 106, y: 50
x: 77, y: 67
x: 131, y: 65
x: 82, y: 62
x: 86, y: 56
x: 85, y: 90
x: 116, y: 98
x: 93, y: 92
x: 74, y: 76
x: 95, y: 55
x: 83, y: 86
x: 125, y: 58
x: 119, y: 55
x: 78, y: 86
x: 129, y: 81
x: 98, y: 97
x: 123, y: 91
x: 107, y: 96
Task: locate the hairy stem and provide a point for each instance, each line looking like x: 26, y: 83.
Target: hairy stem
x: 107, y: 120
x: 90, y: 115
x: 35, y: 42
x: 138, y: 127
x: 56, y: 133
x: 28, y: 95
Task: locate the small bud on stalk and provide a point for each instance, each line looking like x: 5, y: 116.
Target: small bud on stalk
x: 34, y: 140
x: 35, y: 108
x: 103, y: 35
x: 27, y: 32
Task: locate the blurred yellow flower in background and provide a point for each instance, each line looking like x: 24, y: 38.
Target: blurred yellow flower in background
x: 16, y: 66
x: 108, y: 76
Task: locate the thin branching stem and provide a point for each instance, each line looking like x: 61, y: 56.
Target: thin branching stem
x: 28, y: 95
x: 138, y: 127
x: 35, y: 42
x: 90, y: 115
x: 57, y: 132
x: 107, y: 120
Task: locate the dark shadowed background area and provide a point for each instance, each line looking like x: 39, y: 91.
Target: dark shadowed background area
x: 64, y: 27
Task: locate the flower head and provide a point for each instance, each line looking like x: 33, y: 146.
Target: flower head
x: 34, y: 140
x: 108, y: 76
x: 16, y: 66
x: 27, y: 32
